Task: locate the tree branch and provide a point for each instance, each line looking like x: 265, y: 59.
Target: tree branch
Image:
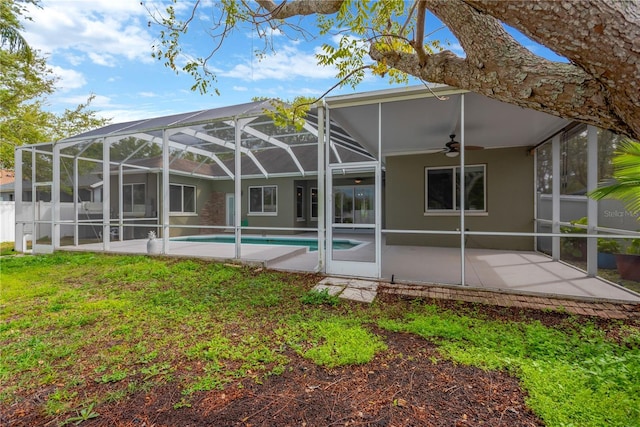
x: 555, y: 88
x: 409, y: 17
x: 418, y: 42
x: 606, y: 45
x: 287, y: 9
x: 499, y: 67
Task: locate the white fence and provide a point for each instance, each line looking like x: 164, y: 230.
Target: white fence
x: 7, y: 221
x: 42, y: 211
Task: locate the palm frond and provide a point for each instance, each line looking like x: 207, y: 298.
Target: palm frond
x: 14, y: 42
x: 627, y: 159
x: 626, y: 172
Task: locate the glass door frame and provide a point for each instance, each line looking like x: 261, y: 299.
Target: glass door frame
x: 354, y: 268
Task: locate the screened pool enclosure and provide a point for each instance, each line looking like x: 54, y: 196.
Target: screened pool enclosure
x: 372, y: 169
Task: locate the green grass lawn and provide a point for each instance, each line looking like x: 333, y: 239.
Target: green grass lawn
x: 6, y: 248
x: 98, y: 328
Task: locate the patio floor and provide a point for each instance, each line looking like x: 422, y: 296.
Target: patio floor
x: 516, y: 272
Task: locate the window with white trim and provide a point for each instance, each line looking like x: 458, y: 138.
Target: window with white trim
x: 442, y: 189
x: 133, y: 197
x: 314, y: 203
x: 263, y: 200
x: 299, y: 203
x: 182, y: 198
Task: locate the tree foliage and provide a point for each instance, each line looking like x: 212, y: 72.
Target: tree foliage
x: 25, y: 83
x: 626, y: 171
x: 599, y: 84
x: 10, y: 38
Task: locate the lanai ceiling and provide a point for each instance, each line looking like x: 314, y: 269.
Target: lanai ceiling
x: 414, y: 121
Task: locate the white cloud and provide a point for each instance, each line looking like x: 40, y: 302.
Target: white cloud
x: 287, y: 63
x: 335, y: 38
x: 101, y: 30
x: 307, y: 91
x: 99, y: 101
x: 240, y: 88
x: 116, y: 112
x: 147, y: 94
x: 105, y: 60
x: 74, y: 60
x: 68, y: 79
x: 269, y: 32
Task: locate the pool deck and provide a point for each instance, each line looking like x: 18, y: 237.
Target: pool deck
x: 251, y: 254
x: 523, y: 273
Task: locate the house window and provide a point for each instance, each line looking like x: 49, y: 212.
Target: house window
x: 182, y: 198
x: 442, y: 187
x: 300, y: 203
x: 314, y: 203
x: 263, y: 200
x: 133, y: 198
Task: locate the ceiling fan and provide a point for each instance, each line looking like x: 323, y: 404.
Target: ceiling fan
x: 452, y: 148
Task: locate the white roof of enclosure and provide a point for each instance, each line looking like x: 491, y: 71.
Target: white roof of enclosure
x: 415, y: 121
x: 203, y: 143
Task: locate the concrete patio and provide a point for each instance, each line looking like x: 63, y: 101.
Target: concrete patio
x: 528, y: 273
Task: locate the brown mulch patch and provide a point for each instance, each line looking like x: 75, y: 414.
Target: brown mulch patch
x: 408, y: 385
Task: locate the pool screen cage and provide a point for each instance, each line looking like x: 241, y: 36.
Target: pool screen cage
x: 358, y: 165
x: 178, y: 175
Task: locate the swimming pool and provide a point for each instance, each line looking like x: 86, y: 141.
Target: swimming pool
x: 312, y: 244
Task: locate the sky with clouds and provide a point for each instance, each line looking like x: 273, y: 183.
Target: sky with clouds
x: 103, y: 47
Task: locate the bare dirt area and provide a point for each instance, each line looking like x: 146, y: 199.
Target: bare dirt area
x: 409, y: 384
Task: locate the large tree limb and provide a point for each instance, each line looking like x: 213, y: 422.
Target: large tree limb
x: 499, y: 67
x: 604, y: 41
x: 289, y: 9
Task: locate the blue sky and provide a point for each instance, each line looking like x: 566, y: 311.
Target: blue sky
x: 103, y: 47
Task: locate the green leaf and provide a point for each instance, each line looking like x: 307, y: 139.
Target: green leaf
x: 626, y: 172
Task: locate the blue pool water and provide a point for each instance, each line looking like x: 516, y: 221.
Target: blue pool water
x: 312, y: 244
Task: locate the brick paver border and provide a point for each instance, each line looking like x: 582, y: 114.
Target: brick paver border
x: 597, y: 308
